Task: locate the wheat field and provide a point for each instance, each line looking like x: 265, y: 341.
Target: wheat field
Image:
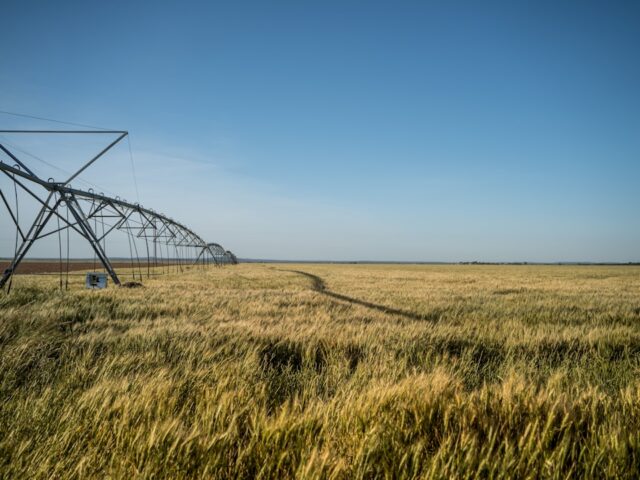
x: 325, y: 371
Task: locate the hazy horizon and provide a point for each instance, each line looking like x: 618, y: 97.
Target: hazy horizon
x: 143, y: 260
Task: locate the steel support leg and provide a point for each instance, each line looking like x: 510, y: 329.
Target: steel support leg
x: 45, y: 213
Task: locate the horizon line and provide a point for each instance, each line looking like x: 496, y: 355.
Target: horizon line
x: 368, y: 262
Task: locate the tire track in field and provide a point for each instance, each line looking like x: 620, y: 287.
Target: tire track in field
x: 318, y: 285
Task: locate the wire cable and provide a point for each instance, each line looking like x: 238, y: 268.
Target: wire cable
x: 60, y: 169
x: 104, y: 236
x: 133, y: 169
x: 146, y: 242
x: 66, y: 284
x: 95, y: 227
x: 59, y: 251
x: 132, y: 239
x: 131, y: 254
x: 15, y: 248
x: 33, y: 117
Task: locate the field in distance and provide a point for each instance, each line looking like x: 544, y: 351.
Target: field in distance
x: 325, y: 371
x: 77, y: 266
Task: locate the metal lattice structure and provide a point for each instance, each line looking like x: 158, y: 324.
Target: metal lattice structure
x: 84, y: 207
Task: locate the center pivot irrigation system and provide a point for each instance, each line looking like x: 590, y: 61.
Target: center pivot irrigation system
x: 94, y: 216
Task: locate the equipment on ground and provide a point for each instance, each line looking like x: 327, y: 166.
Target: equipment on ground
x: 96, y: 280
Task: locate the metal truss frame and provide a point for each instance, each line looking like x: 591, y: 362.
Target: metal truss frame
x: 136, y: 220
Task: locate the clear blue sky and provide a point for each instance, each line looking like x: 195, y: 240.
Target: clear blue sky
x: 355, y: 130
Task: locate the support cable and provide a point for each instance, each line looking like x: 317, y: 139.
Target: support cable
x: 67, y: 173
x: 179, y: 262
x: 95, y: 228
x: 146, y: 242
x: 161, y: 259
x: 132, y: 239
x: 66, y: 282
x: 15, y: 247
x: 131, y: 255
x: 24, y: 115
x: 168, y: 259
x: 133, y: 169
x: 155, y: 248
x: 59, y: 251
x: 135, y: 247
x: 104, y: 239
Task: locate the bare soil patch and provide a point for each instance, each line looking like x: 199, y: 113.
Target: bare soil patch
x: 53, y: 266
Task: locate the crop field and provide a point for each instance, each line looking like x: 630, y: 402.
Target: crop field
x: 325, y: 371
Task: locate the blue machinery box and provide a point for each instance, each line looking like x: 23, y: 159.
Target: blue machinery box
x: 96, y: 280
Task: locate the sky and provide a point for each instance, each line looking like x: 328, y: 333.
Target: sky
x: 398, y: 131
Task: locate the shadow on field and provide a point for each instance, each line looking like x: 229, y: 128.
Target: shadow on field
x: 318, y: 285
